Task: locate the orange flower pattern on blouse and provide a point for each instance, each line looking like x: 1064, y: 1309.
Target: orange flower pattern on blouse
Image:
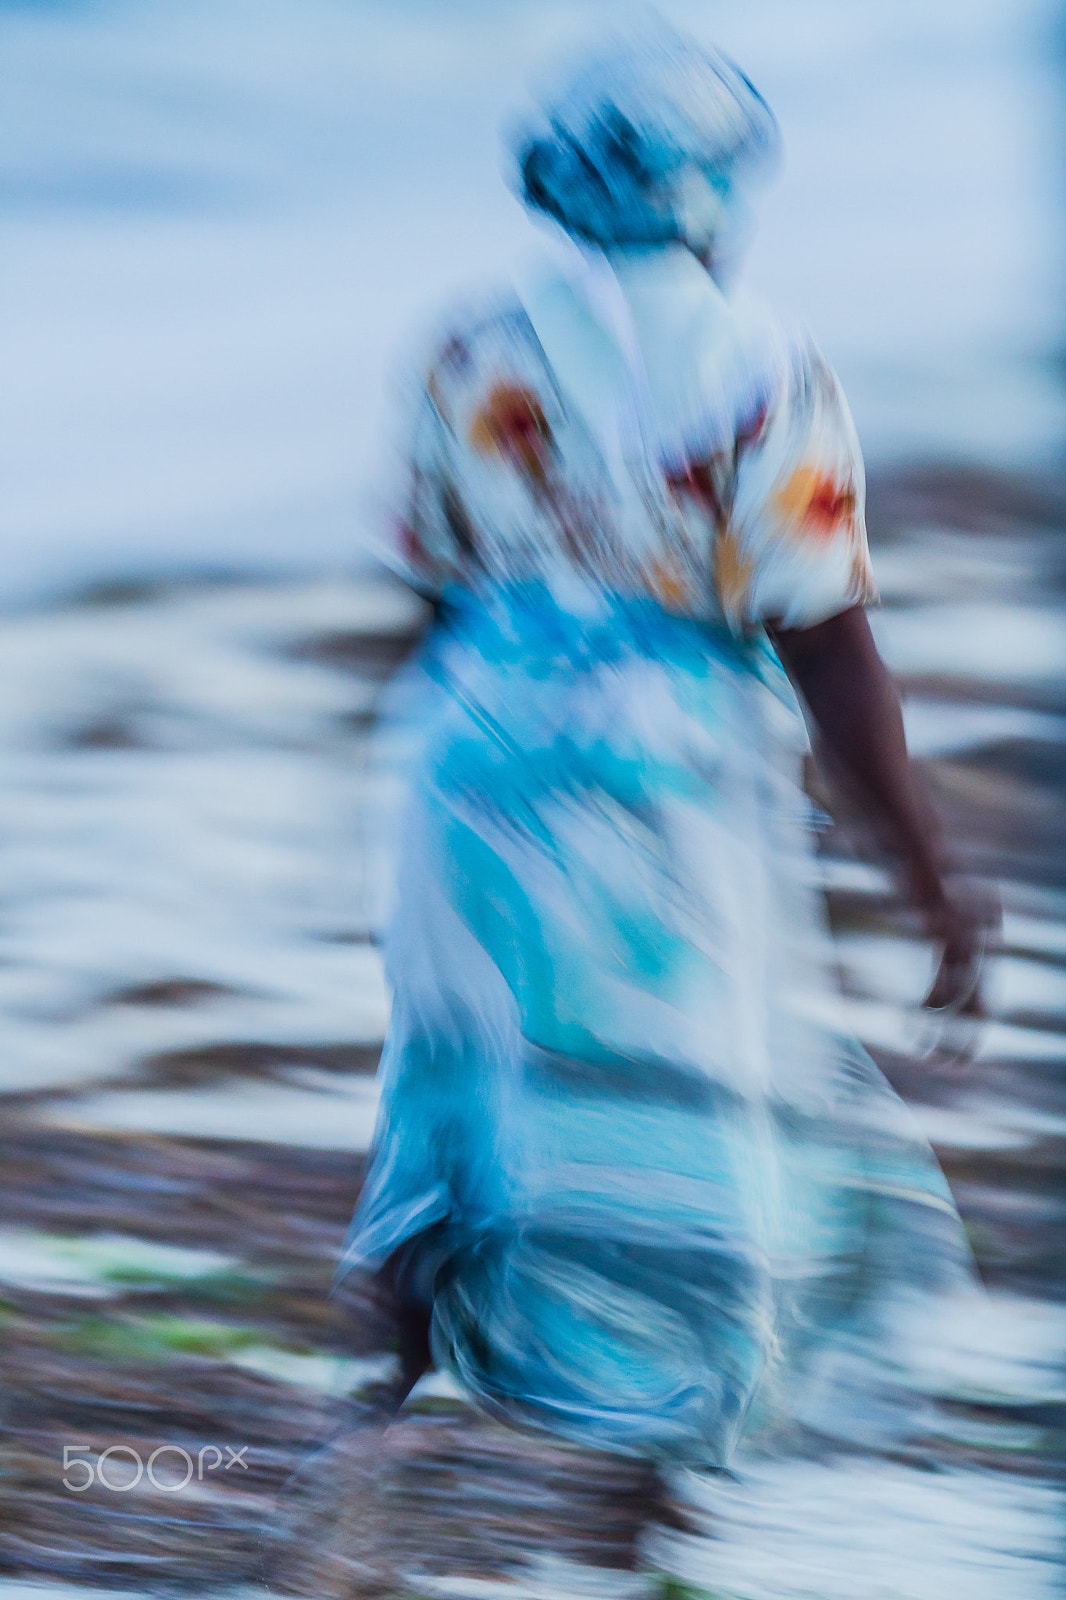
x: 815, y: 503
x: 732, y: 572
x: 671, y: 584
x: 767, y: 525
x: 512, y: 424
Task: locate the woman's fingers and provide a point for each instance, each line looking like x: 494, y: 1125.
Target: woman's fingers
x: 957, y: 984
x: 963, y: 922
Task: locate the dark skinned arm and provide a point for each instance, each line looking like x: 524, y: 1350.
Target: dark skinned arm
x: 855, y: 709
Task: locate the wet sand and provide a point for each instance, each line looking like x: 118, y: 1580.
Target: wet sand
x: 194, y: 1010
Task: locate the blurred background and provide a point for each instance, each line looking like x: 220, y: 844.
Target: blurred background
x: 226, y: 225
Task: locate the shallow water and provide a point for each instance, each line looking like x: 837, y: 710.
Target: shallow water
x: 193, y: 1014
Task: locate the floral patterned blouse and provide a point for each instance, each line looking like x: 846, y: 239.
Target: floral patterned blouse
x: 509, y: 480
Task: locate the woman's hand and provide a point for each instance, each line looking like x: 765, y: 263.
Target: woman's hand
x: 960, y: 919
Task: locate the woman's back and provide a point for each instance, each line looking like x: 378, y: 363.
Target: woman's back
x: 654, y: 446
x: 629, y: 1172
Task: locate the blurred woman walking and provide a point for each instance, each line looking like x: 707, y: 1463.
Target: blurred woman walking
x: 630, y: 1184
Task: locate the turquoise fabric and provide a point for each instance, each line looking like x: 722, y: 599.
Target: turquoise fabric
x: 652, y: 1204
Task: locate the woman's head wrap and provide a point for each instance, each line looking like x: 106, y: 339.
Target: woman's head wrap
x: 642, y: 142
